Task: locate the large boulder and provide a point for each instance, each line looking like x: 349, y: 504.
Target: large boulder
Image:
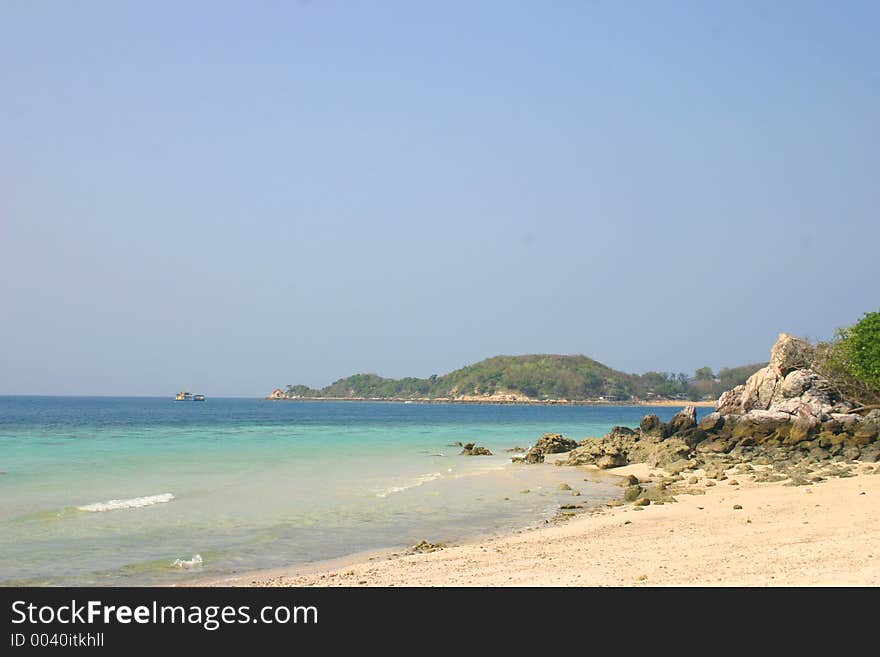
x: 791, y: 353
x: 730, y: 401
x: 761, y: 390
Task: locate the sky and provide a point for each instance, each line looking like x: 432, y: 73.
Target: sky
x: 228, y: 197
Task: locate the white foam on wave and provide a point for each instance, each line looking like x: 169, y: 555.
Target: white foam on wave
x: 132, y: 503
x: 188, y: 563
x: 418, y: 481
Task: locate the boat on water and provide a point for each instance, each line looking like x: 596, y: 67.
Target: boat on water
x: 188, y: 396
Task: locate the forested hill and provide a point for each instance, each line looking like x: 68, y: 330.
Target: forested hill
x: 537, y: 377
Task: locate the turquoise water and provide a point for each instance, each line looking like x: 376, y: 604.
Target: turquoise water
x: 114, y: 491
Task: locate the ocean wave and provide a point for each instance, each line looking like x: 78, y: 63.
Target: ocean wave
x: 188, y: 563
x: 132, y: 503
x: 418, y: 481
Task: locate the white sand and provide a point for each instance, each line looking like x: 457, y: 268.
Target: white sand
x: 824, y: 534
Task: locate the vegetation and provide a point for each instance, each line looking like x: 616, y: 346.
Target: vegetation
x: 851, y: 361
x: 541, y: 376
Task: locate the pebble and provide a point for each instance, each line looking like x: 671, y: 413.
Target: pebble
x: 737, y: 507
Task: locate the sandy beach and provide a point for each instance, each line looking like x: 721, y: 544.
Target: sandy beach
x: 732, y: 532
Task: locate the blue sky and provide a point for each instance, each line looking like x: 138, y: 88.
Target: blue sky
x: 231, y: 196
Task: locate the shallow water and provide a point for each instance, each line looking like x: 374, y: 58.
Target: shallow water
x: 118, y: 491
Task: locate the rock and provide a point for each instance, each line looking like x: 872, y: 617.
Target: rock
x: 549, y: 443
x: 515, y: 449
x: 847, y: 421
x: 871, y: 454
x: 790, y: 353
x: 469, y: 446
x: 609, y: 451
x: 610, y: 461
x: 802, y: 428
x: 650, y: 423
x: 730, y: 402
x: 759, y: 424
x: 630, y: 480
x: 867, y: 431
x: 712, y: 422
x: 693, y: 436
x: 632, y: 493
x: 642, y: 501
x: 471, y: 450
x: 563, y: 486
x: 530, y: 458
x: 425, y: 546
x: 686, y: 418
x: 795, y: 384
x: 719, y: 446
x: 737, y: 507
x: 678, y: 466
x: 761, y: 389
x: 769, y: 477
x: 693, y: 480
x: 710, y: 483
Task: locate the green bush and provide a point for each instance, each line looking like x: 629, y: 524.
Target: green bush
x: 852, y: 360
x: 863, y: 349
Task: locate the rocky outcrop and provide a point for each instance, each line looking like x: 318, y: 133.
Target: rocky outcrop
x: 549, y: 443
x: 786, y: 414
x: 787, y: 385
x: 470, y: 449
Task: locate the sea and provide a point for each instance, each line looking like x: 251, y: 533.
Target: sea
x: 142, y: 491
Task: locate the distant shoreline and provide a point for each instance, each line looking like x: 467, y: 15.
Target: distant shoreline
x: 501, y: 402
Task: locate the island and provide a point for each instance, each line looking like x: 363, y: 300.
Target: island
x: 532, y: 379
